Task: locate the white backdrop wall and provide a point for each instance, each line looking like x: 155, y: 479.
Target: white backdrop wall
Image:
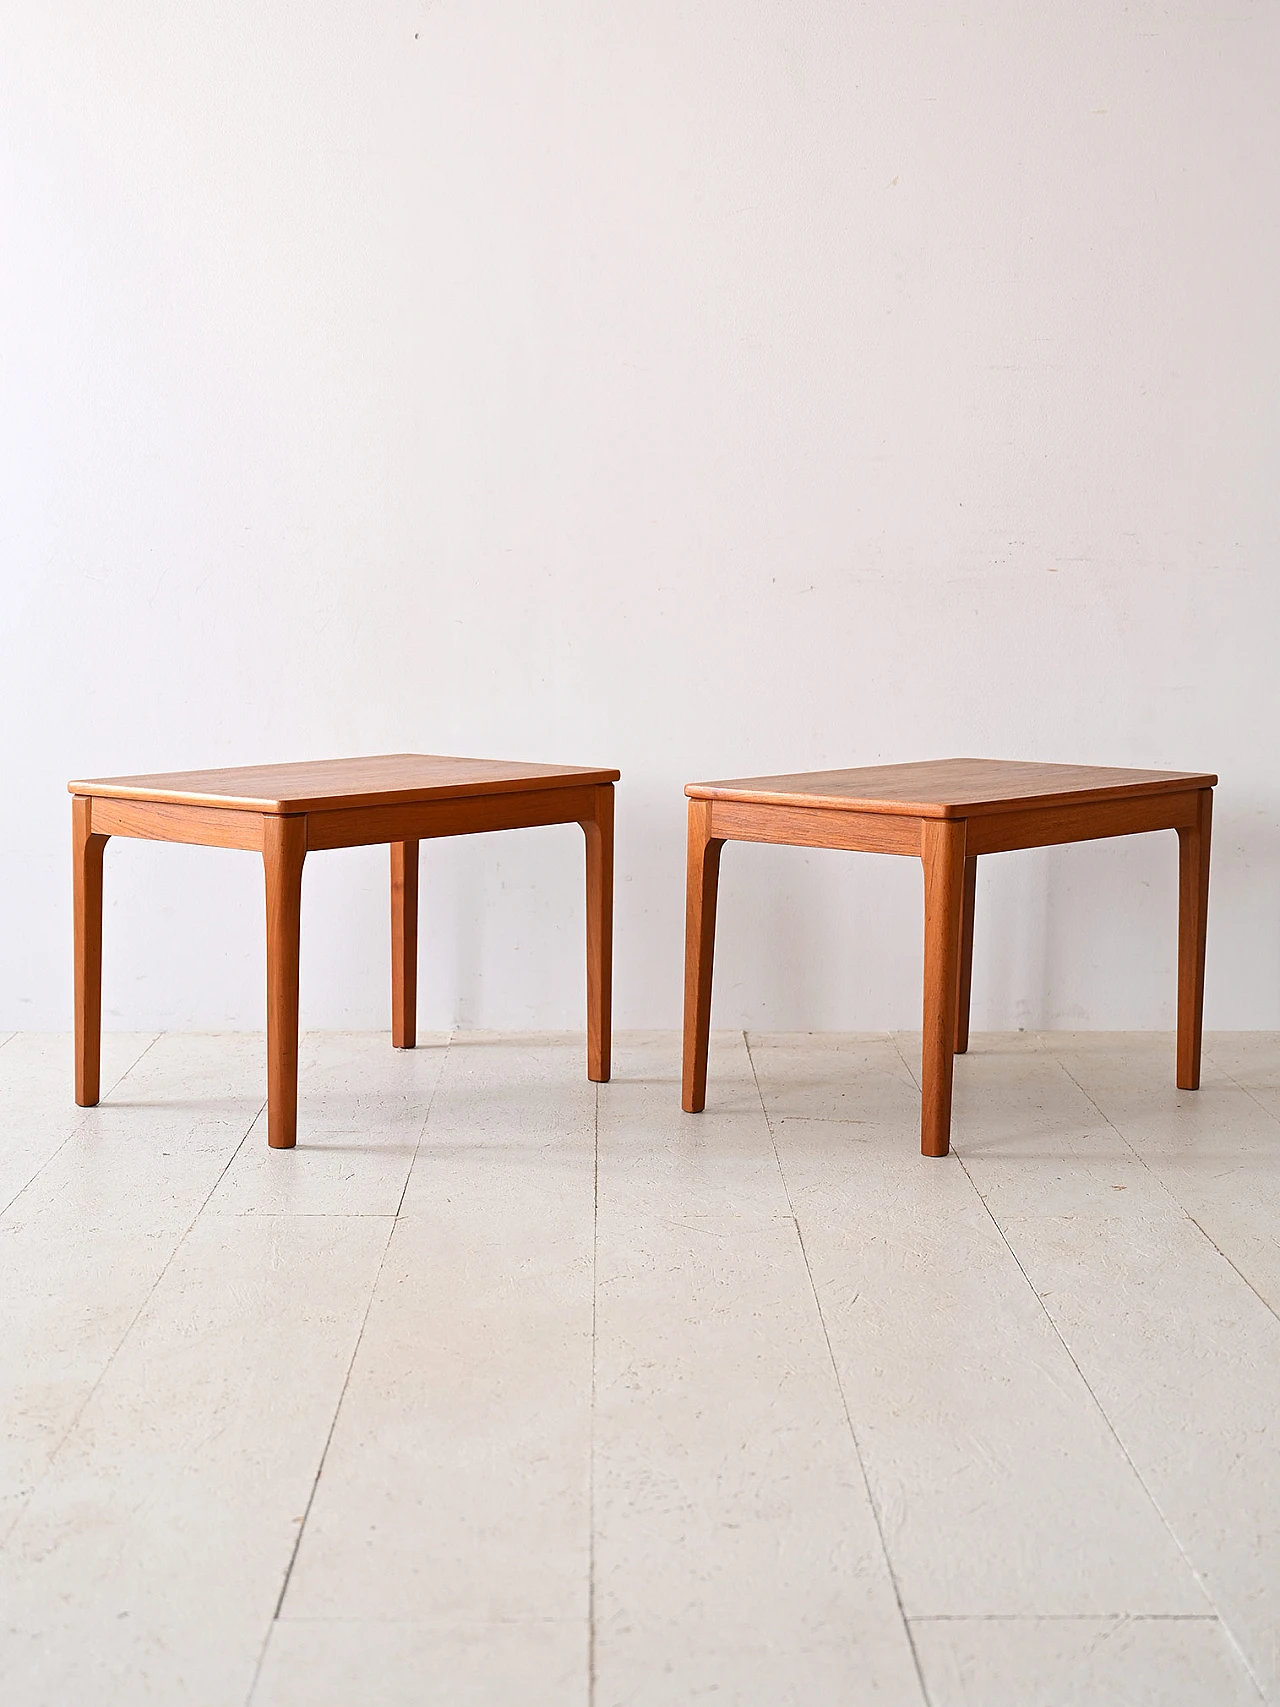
x: 703, y: 388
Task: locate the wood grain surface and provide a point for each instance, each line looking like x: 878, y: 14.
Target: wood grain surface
x: 383, y: 779
x: 949, y: 788
x: 813, y: 826
x: 426, y: 820
x: 164, y: 821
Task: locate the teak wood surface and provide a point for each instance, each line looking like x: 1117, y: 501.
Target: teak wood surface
x: 946, y: 812
x: 286, y: 811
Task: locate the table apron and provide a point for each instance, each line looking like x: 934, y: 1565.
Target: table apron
x: 1045, y: 826
x: 358, y: 826
x: 169, y: 821
x: 814, y: 827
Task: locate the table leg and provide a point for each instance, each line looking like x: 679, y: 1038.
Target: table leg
x: 599, y: 835
x: 1193, y: 918
x: 284, y: 847
x: 966, y: 953
x: 404, y: 944
x: 87, y: 851
x: 943, y: 856
x: 699, y: 949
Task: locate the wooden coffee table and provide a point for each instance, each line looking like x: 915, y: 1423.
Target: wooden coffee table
x: 285, y: 812
x: 947, y: 812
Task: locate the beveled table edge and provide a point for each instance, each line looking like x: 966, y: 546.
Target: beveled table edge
x: 1176, y: 782
x: 108, y: 788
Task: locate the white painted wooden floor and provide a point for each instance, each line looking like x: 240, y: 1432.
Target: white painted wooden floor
x: 502, y: 1392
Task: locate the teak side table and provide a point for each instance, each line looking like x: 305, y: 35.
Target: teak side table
x: 947, y: 812
x: 285, y: 812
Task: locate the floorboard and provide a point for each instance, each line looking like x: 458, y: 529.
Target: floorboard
x: 504, y: 1387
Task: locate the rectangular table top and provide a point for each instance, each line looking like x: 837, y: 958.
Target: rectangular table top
x: 318, y: 785
x: 951, y: 788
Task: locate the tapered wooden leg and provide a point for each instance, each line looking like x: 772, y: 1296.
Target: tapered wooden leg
x: 404, y: 944
x: 87, y: 850
x: 284, y: 847
x: 966, y: 953
x: 942, y: 852
x: 699, y: 950
x: 1193, y: 918
x: 599, y: 835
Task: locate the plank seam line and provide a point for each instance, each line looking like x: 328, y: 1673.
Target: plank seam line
x: 1231, y: 1079
x: 346, y: 1381
x: 78, y: 1127
x: 1271, y: 1115
x: 1163, y: 1184
x: 1064, y: 1618
x: 1111, y: 1428
x: 840, y: 1387
x: 133, y: 1320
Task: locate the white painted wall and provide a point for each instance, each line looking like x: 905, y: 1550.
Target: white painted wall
x: 706, y: 388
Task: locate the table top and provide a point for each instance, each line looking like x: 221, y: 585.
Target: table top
x: 951, y: 788
x: 320, y: 784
